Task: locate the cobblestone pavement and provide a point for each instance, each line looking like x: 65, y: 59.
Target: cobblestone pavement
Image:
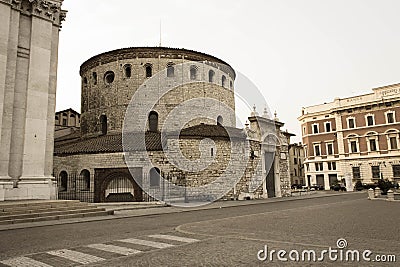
x: 216, y: 237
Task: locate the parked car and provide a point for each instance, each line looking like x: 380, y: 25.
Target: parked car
x: 317, y: 187
x: 297, y: 186
x: 338, y: 187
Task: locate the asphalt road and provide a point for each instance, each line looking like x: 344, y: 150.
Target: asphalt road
x: 218, y: 237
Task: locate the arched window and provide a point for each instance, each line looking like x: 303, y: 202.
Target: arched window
x: 211, y: 75
x: 153, y: 121
x: 85, y: 178
x: 193, y: 72
x: 220, y: 120
x: 154, y: 177
x: 103, y: 122
x: 223, y: 80
x: 94, y: 77
x: 170, y: 70
x: 128, y: 70
x: 149, y: 70
x: 63, y: 181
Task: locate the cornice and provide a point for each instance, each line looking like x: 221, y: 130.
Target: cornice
x: 49, y: 10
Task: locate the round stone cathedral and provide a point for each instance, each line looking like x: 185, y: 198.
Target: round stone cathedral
x: 92, y: 164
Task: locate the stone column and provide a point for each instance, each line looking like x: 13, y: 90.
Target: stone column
x: 6, y: 61
x: 28, y: 58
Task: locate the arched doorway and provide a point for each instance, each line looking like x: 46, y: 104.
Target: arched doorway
x: 270, y: 146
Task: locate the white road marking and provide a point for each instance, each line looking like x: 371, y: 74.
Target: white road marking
x: 146, y: 243
x: 116, y: 249
x: 24, y: 262
x: 175, y: 238
x: 75, y: 256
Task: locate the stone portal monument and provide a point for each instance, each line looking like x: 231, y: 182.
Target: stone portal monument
x: 29, y: 33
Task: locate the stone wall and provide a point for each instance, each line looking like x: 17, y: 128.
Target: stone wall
x: 100, y: 96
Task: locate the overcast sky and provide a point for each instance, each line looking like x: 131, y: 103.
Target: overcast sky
x: 298, y: 53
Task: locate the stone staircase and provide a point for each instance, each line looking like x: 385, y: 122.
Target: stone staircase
x: 12, y: 212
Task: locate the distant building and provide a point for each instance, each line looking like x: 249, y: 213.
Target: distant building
x: 296, y: 163
x: 67, y: 122
x: 354, y: 138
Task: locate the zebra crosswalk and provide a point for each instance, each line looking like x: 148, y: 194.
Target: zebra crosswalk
x: 94, y: 252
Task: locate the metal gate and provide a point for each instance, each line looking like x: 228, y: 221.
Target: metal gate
x: 119, y: 189
x: 75, y: 187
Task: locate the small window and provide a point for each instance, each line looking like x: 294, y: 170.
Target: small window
x: 94, y: 78
x: 317, y: 150
x: 351, y: 123
x: 327, y: 127
x: 193, y: 72
x: 231, y: 84
x: 149, y: 70
x: 353, y: 146
x: 170, y: 70
x: 153, y: 121
x: 220, y: 120
x: 155, y: 177
x: 390, y: 117
x: 56, y: 118
x: 396, y: 170
x: 85, y: 82
x: 109, y: 77
x: 315, y: 128
x: 356, y: 173
x: 63, y: 181
x: 320, y: 166
x: 393, y: 143
x: 212, y: 152
x: 103, y: 124
x: 128, y: 70
x: 332, y: 166
x: 372, y: 145
x: 85, y: 177
x: 223, y: 81
x: 295, y: 161
x: 329, y: 148
x: 211, y: 75
x: 64, y: 122
x: 295, y: 173
x: 376, y: 174
x: 370, y: 120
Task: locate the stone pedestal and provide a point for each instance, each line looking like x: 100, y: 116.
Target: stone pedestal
x: 377, y: 192
x: 390, y: 195
x: 371, y: 194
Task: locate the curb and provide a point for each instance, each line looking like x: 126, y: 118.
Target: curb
x: 164, y: 210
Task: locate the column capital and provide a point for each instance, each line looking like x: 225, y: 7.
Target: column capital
x: 49, y: 10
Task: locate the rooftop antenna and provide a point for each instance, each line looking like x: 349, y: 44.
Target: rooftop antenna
x: 160, y: 34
